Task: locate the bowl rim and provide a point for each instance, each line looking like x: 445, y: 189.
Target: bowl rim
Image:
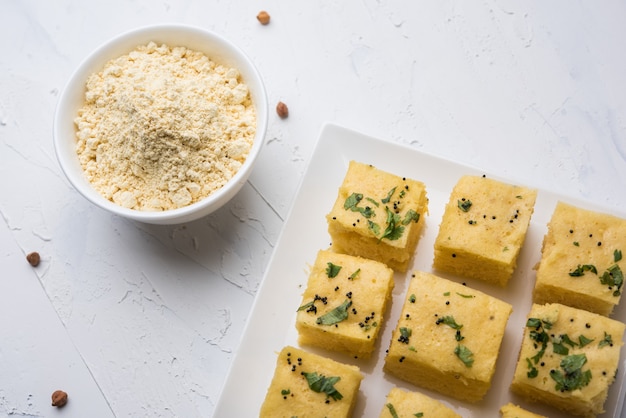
x: 196, y: 39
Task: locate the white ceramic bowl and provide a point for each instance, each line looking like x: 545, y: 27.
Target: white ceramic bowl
x: 217, y: 49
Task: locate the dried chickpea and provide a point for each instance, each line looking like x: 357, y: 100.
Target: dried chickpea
x: 282, y: 110
x: 263, y: 17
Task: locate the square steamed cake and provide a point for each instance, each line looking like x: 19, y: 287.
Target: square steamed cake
x: 378, y: 215
x: 344, y: 303
x: 402, y: 403
x: 568, y: 358
x: 447, y: 338
x: 483, y: 229
x: 514, y: 411
x: 306, y: 384
x: 581, y: 263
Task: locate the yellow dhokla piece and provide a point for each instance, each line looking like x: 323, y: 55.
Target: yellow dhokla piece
x: 483, y: 229
x: 568, y: 359
x: 447, y: 338
x: 378, y: 215
x: 581, y: 263
x: 514, y: 411
x: 309, y: 385
x: 344, y: 303
x: 402, y: 403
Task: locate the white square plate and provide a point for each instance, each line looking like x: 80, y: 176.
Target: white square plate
x: 271, y: 324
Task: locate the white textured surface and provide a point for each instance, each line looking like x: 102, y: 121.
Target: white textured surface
x: 147, y: 317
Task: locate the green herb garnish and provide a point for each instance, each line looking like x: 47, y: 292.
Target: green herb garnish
x: 410, y: 216
x: 322, y: 384
x: 405, y: 334
x: 465, y: 296
x: 373, y: 227
x: 412, y: 298
x: 617, y: 255
x: 559, y: 348
x: 306, y: 306
x: 285, y: 392
x: 338, y: 314
x: 354, y: 275
x: 332, y: 270
x: 532, y: 370
x: 449, y: 321
x: 567, y: 340
x: 352, y: 203
x: 581, y: 269
x: 613, y: 277
x: 464, y: 204
x: 607, y: 340
x: 392, y: 410
x: 539, y: 335
x: 571, y: 377
x: 394, y: 228
x: 465, y: 355
x: 389, y: 194
x: 583, y: 341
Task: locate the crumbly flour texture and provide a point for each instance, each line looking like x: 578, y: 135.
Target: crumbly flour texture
x: 162, y: 127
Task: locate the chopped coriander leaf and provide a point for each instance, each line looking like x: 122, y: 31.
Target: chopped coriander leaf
x: 613, y: 277
x: 392, y: 410
x: 419, y: 415
x: 446, y: 294
x: 306, y: 306
x: 285, y: 392
x: 571, y: 377
x: 465, y: 355
x: 583, y: 341
x: 354, y: 275
x: 449, y: 321
x: 412, y: 298
x: 338, y: 314
x: 539, y: 336
x: 576, y: 244
x: 607, y: 340
x: 322, y: 384
x: 352, y: 201
x: 464, y: 204
x: 372, y: 201
x: 617, y: 255
x: 465, y: 296
x: 532, y: 370
x: 559, y: 348
x: 410, y: 216
x: 581, y: 269
x: 332, y: 270
x: 539, y: 355
x: 388, y: 197
x: 533, y: 323
x: 405, y: 334
x: 374, y: 227
x: 567, y: 340
x: 394, y: 228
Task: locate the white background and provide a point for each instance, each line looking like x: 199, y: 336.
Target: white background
x: 139, y: 320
